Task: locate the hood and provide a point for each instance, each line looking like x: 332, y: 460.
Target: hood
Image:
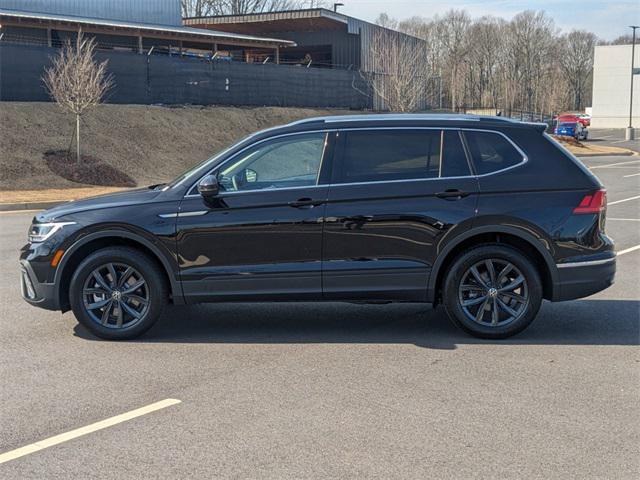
x: 127, y: 197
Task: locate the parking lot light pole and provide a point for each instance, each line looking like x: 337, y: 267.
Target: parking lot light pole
x: 629, y: 134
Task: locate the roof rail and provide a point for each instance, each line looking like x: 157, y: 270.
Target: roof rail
x: 450, y: 117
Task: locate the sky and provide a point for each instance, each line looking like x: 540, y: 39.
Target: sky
x: 606, y: 18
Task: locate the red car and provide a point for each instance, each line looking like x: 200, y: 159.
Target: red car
x: 585, y: 120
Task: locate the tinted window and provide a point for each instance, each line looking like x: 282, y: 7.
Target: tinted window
x: 454, y: 158
x: 286, y: 162
x: 491, y: 151
x: 379, y: 155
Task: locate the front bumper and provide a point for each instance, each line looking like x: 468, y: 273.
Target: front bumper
x: 39, y: 294
x: 584, y: 278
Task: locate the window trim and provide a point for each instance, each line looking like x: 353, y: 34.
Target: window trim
x: 470, y: 163
x: 327, y: 131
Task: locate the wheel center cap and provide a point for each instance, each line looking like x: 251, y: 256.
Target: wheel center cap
x: 116, y: 295
x: 493, y: 292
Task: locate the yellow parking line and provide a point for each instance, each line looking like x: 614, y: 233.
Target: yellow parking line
x: 79, y: 432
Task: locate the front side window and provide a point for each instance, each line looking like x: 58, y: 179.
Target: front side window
x: 292, y: 161
x: 491, y: 151
x: 375, y: 155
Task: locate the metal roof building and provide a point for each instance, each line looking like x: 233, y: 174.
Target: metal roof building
x: 125, y: 25
x: 324, y: 37
x: 163, y: 12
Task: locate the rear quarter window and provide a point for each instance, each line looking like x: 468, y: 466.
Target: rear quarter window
x: 491, y: 152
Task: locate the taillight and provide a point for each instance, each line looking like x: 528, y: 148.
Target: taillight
x: 593, y: 203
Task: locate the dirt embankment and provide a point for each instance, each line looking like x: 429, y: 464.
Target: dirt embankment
x: 151, y: 144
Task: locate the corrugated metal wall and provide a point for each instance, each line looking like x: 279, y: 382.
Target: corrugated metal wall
x: 345, y: 48
x: 164, y: 12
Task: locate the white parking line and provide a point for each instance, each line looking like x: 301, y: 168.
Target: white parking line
x: 632, y: 175
x: 629, y: 250
x: 624, y: 219
x: 614, y: 164
x: 623, y: 200
x: 79, y: 432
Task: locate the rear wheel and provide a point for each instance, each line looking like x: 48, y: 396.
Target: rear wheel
x: 118, y: 293
x: 492, y: 291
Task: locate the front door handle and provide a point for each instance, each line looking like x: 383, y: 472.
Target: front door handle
x: 305, y: 203
x: 452, y: 194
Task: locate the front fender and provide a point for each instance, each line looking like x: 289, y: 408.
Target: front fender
x: 160, y: 252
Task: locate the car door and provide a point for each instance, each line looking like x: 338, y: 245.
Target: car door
x: 396, y: 194
x: 261, y: 236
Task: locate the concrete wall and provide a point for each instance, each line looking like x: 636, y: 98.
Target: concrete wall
x: 611, y: 85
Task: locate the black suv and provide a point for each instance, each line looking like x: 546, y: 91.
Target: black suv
x: 486, y: 215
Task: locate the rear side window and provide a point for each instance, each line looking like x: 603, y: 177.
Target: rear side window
x: 384, y: 155
x: 491, y: 151
x: 376, y: 155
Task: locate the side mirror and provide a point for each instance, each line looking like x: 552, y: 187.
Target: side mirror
x: 251, y: 175
x: 208, y: 187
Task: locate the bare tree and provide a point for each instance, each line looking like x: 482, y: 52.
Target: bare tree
x: 399, y: 71
x: 197, y: 8
x: 76, y: 81
x: 203, y: 8
x: 452, y: 32
x: 576, y: 62
x: 626, y: 39
x: 386, y: 21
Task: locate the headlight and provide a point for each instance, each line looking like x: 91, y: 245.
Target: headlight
x: 39, y: 232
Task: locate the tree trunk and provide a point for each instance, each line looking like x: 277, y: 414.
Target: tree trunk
x: 78, y: 140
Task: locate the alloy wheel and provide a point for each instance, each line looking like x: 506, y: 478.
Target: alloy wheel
x: 116, y: 295
x: 493, y: 293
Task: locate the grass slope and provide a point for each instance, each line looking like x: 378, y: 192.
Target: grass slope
x: 151, y: 144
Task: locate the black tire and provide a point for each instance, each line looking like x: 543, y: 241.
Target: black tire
x: 147, y: 296
x: 516, y: 302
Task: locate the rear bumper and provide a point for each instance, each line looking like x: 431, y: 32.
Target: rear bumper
x: 38, y: 294
x: 584, y: 278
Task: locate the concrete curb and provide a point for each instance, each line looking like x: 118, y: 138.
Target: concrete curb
x: 621, y: 154
x: 16, y: 207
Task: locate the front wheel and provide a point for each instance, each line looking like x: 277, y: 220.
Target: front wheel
x: 118, y: 293
x: 492, y: 291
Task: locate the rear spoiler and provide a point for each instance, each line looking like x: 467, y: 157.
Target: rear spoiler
x: 540, y: 127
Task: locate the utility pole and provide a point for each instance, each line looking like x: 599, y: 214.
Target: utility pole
x: 629, y: 133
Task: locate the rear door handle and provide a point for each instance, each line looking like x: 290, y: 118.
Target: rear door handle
x: 452, y: 194
x: 305, y: 203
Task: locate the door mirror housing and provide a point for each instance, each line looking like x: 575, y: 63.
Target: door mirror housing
x: 209, y: 187
x: 251, y: 175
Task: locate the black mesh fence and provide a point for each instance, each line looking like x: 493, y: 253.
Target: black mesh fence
x: 163, y: 79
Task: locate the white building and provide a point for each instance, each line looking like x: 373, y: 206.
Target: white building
x: 611, y: 87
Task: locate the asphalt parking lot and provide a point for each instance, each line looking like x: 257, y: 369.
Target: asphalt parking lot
x: 613, y: 137
x: 334, y: 390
